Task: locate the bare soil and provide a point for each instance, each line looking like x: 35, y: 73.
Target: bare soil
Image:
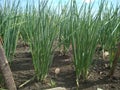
x: 23, y: 70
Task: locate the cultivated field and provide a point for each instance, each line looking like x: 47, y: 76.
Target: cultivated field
x: 67, y: 46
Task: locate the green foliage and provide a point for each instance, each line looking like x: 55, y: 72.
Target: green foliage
x: 10, y: 24
x: 84, y: 40
x: 41, y: 26
x: 109, y: 31
x: 41, y: 31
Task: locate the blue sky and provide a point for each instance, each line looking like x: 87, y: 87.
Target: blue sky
x: 64, y: 1
x: 55, y: 2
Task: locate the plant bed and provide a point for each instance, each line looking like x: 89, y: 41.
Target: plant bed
x: 23, y: 70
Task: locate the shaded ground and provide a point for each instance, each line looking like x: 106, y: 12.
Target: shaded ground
x: 23, y: 70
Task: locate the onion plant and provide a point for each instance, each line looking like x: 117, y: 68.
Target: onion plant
x: 10, y: 27
x: 41, y: 30
x: 110, y: 23
x: 65, y: 31
x: 84, y: 39
x: 88, y: 28
x: 109, y: 32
